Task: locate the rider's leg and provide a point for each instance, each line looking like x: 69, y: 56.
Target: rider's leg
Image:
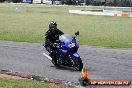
x: 49, y: 49
x: 52, y: 54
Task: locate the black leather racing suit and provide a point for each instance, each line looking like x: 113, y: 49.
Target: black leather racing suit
x: 50, y: 38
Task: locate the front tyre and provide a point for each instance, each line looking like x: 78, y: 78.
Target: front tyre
x: 78, y: 64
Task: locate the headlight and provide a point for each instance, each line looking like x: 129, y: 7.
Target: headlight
x: 65, y: 51
x: 71, y: 45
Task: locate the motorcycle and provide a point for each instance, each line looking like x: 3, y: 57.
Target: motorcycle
x: 66, y: 52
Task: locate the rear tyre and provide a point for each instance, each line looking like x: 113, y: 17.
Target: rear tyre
x: 78, y: 64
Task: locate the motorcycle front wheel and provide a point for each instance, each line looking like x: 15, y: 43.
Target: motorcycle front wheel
x: 78, y: 64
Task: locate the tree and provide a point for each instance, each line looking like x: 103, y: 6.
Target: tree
x: 2, y: 0
x: 88, y: 2
x: 70, y: 2
x: 128, y: 3
x: 115, y: 2
x: 16, y: 1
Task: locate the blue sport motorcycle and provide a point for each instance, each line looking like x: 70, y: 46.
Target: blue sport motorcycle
x: 66, y: 52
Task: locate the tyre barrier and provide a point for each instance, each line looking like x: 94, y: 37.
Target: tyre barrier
x: 123, y: 15
x: 104, y: 13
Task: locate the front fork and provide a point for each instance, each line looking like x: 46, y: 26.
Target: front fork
x: 74, y: 56
x: 68, y: 60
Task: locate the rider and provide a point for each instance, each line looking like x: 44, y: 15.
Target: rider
x: 51, y: 36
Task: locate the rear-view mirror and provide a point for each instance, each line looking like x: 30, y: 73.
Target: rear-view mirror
x: 77, y: 33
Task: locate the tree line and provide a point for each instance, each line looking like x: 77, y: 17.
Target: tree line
x: 14, y: 1
x: 123, y: 3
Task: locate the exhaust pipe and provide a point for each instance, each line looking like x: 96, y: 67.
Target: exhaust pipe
x: 48, y: 57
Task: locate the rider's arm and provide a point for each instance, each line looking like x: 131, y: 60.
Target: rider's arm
x: 60, y: 32
x: 48, y: 39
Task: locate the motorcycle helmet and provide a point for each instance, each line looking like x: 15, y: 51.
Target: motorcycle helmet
x: 52, y: 25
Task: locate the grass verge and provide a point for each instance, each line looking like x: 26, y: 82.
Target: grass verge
x: 13, y: 83
x: 28, y: 23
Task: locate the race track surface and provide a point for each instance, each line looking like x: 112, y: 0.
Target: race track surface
x: 101, y: 63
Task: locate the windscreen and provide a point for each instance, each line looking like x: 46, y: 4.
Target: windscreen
x: 66, y: 38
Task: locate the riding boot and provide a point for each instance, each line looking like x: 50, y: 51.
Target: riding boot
x: 55, y: 59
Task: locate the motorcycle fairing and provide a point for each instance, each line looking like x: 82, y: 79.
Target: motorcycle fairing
x: 75, y: 55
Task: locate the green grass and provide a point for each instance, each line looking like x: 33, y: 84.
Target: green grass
x: 29, y: 23
x: 11, y: 83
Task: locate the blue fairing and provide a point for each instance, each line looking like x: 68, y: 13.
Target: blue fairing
x: 65, y: 46
x: 70, y: 45
x: 75, y: 55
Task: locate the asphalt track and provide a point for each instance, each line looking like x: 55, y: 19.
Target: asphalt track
x: 101, y: 63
